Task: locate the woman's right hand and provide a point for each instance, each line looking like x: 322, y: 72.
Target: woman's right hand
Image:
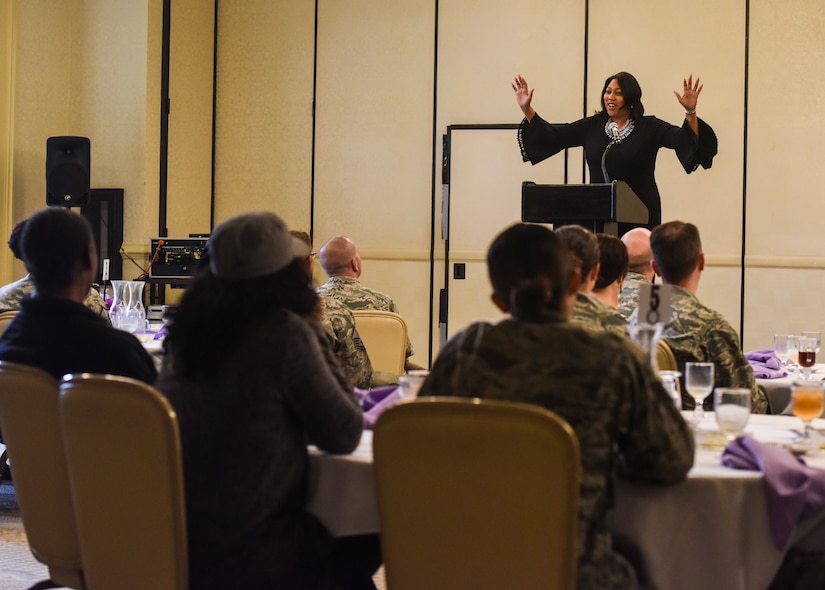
x: 523, y: 96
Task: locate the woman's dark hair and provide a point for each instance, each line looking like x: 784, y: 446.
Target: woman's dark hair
x: 582, y: 247
x: 529, y: 269
x: 214, y: 314
x: 15, y: 238
x: 631, y: 91
x: 54, y: 244
x: 613, y: 258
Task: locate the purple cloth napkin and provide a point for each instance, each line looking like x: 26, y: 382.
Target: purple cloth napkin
x: 765, y: 364
x: 376, y: 400
x: 793, y: 491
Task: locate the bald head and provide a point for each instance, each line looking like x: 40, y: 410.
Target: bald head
x: 339, y: 257
x: 639, y: 255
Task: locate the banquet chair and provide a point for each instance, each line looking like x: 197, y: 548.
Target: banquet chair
x: 384, y: 335
x: 5, y: 319
x: 123, y: 451
x: 31, y: 431
x: 476, y: 494
x: 665, y: 359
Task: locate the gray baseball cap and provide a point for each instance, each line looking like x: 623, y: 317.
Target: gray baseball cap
x: 252, y: 245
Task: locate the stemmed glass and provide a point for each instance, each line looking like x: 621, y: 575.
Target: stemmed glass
x: 815, y: 335
x: 699, y: 384
x: 807, y: 403
x: 780, y: 348
x: 807, y: 355
x: 793, y: 353
x: 732, y: 408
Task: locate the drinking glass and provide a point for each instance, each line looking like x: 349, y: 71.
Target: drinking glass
x: 793, y: 353
x: 732, y: 407
x: 807, y: 403
x: 807, y: 355
x: 671, y: 383
x: 815, y: 335
x: 780, y: 348
x: 699, y: 384
x: 409, y: 384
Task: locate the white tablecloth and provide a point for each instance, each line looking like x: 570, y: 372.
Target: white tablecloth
x: 710, y: 531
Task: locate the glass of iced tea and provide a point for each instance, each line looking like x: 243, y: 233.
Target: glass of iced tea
x: 807, y: 355
x: 807, y: 403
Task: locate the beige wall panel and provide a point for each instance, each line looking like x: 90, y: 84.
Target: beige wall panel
x: 784, y: 155
x: 189, y: 182
x: 264, y: 118
x: 786, y: 300
x: 664, y: 51
x: 374, y: 117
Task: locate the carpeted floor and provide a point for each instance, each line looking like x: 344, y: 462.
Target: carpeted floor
x: 18, y: 568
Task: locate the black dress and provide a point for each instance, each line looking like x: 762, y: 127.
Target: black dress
x: 633, y: 160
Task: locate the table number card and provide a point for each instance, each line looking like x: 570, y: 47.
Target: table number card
x: 654, y: 304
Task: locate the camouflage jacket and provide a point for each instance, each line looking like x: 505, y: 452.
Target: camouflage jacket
x: 11, y: 294
x: 595, y: 315
x: 625, y: 422
x: 698, y: 333
x: 350, y: 292
x: 339, y: 325
x: 629, y: 295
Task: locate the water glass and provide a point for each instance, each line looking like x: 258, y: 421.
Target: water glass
x: 732, y: 407
x: 409, y: 384
x: 673, y: 386
x: 699, y: 384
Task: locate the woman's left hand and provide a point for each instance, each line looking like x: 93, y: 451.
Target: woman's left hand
x: 690, y: 93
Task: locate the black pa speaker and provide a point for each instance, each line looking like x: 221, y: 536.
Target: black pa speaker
x: 67, y: 171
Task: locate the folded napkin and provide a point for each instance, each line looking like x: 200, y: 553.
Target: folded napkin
x: 376, y: 400
x: 765, y: 364
x: 793, y: 491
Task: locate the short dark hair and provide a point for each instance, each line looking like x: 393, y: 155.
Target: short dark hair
x: 302, y: 235
x: 55, y: 243
x: 631, y: 91
x: 613, y: 258
x: 676, y: 248
x: 14, y: 239
x: 582, y: 247
x: 529, y: 269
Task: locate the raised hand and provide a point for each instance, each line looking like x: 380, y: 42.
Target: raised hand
x: 690, y: 93
x: 523, y: 96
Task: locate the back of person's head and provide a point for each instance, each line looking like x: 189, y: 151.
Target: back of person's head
x: 56, y: 245
x: 613, y: 258
x: 582, y: 247
x: 304, y: 237
x: 15, y: 238
x: 677, y: 250
x: 255, y: 268
x: 637, y: 241
x: 529, y: 269
x: 336, y: 256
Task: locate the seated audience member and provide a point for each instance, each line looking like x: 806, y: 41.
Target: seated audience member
x: 639, y: 268
x: 589, y: 312
x: 253, y: 380
x: 13, y: 293
x: 341, y: 261
x: 696, y: 332
x: 612, y: 270
x: 599, y: 383
x: 339, y: 325
x: 54, y: 330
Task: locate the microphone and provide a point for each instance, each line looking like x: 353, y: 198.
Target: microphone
x: 614, y: 131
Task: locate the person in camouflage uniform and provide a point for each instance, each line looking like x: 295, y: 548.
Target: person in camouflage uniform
x: 339, y: 325
x: 639, y: 269
x: 626, y: 424
x: 695, y: 332
x: 341, y: 261
x: 589, y: 312
x: 13, y: 293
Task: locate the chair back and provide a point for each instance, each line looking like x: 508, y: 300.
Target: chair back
x: 665, y: 359
x: 31, y: 431
x: 476, y: 494
x: 5, y: 319
x: 123, y: 452
x: 384, y: 335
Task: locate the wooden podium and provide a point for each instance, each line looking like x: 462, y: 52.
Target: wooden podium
x: 598, y: 207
